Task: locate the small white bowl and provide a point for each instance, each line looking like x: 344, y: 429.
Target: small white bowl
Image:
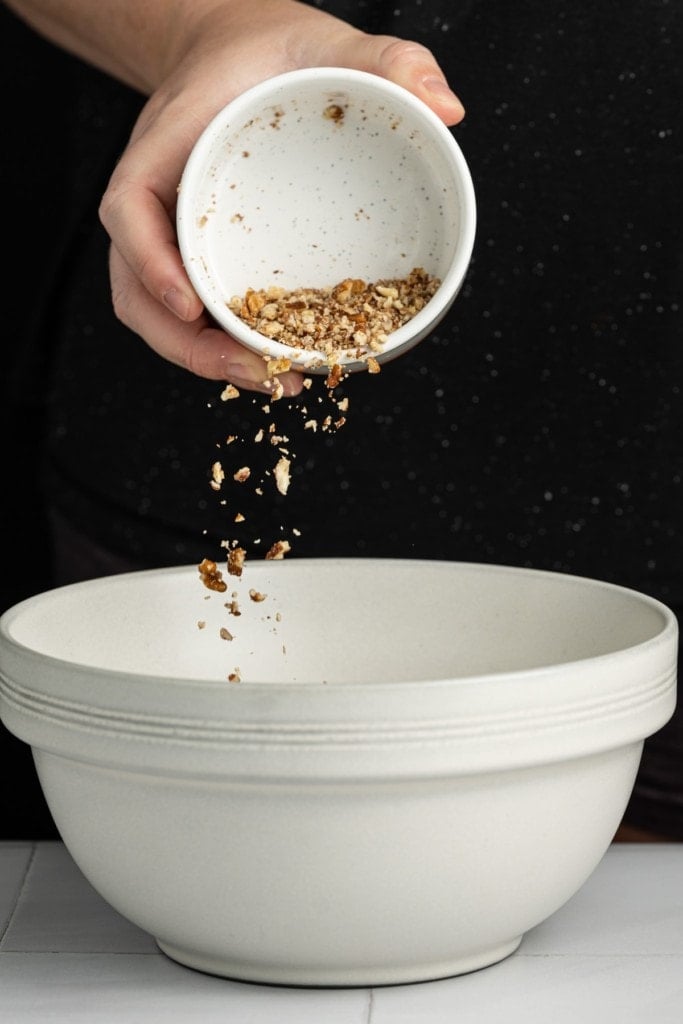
x: 316, y: 176
x: 423, y: 760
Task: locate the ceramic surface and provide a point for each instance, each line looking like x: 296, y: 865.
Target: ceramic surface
x: 278, y: 192
x: 422, y: 761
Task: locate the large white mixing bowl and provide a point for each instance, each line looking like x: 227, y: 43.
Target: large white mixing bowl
x: 422, y: 760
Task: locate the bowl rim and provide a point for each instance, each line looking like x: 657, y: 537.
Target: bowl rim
x: 669, y: 631
x: 385, y: 730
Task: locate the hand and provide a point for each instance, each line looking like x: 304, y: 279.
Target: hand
x: 226, y: 49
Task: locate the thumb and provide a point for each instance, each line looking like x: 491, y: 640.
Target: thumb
x: 411, y: 65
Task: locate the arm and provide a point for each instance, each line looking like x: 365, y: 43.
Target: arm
x: 191, y: 57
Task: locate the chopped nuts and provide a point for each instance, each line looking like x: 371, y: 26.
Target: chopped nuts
x: 217, y: 476
x: 276, y: 366
x: 281, y: 472
x: 211, y: 576
x: 236, y: 559
x: 334, y: 377
x: 352, y: 318
x: 278, y: 550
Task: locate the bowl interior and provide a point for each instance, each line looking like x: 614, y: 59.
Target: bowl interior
x: 317, y: 176
x: 336, y: 621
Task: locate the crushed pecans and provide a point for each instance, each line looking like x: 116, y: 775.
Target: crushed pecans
x: 352, y: 318
x: 211, y: 576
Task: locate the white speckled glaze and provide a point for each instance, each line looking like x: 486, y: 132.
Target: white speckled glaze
x: 276, y: 193
x: 423, y: 760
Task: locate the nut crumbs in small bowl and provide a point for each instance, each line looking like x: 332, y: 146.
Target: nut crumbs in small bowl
x: 326, y: 217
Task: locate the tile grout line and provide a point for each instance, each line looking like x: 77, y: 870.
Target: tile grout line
x: 20, y: 892
x: 587, y: 955
x: 77, y: 952
x: 371, y: 1005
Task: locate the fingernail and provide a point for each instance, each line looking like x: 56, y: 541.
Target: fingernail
x: 440, y: 90
x: 177, y: 302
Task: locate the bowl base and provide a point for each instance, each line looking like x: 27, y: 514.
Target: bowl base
x: 338, y: 977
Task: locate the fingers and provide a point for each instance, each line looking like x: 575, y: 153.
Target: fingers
x: 196, y: 346
x: 414, y: 67
x: 142, y: 230
x: 151, y: 292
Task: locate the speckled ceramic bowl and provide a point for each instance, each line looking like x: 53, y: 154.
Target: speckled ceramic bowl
x: 320, y: 175
x: 422, y: 760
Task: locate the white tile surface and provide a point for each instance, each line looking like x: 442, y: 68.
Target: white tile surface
x: 59, y: 911
x: 544, y: 990
x: 631, y: 904
x: 612, y: 955
x: 121, y: 989
x: 14, y: 862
